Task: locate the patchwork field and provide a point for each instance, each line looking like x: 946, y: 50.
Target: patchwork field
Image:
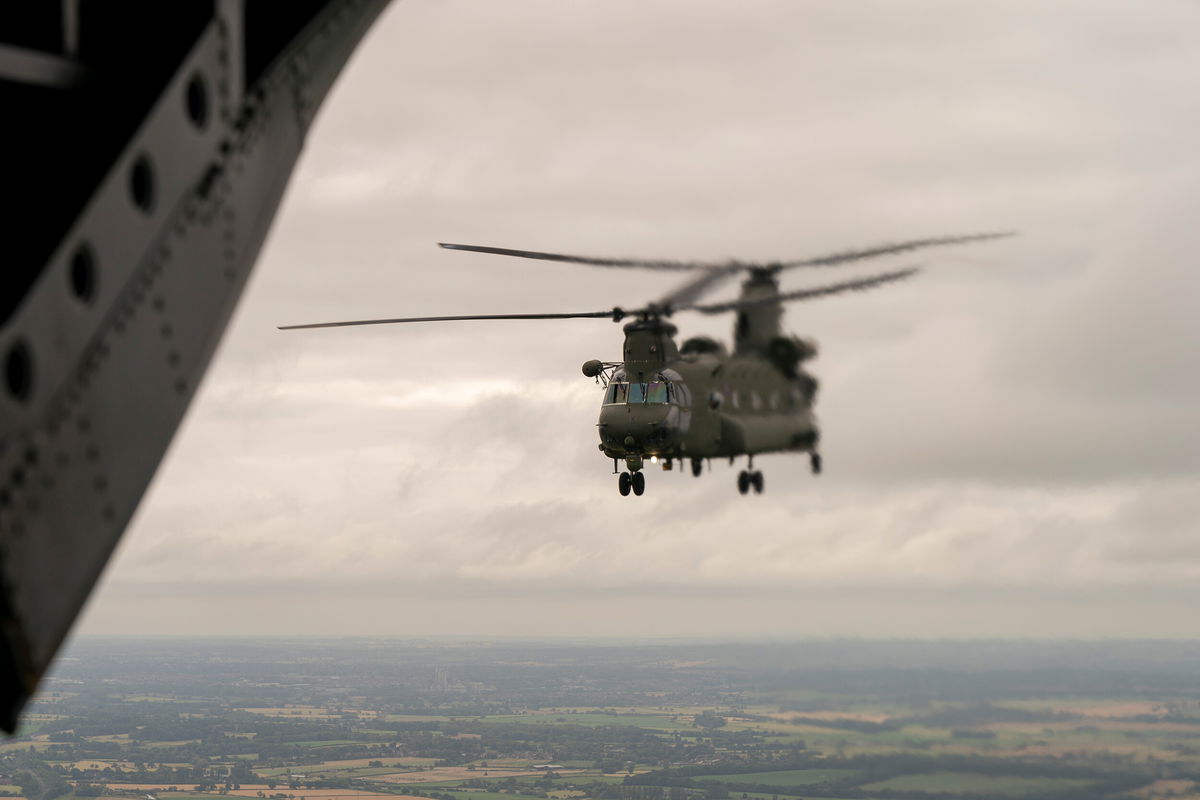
x: 446, y: 775
x: 469, y: 721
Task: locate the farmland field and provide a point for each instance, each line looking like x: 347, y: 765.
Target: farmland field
x: 793, y: 777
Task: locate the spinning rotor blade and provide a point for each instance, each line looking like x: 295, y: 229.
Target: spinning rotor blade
x: 684, y: 298
x: 611, y: 314
x: 642, y: 263
x: 805, y: 294
x: 833, y: 259
x: 696, y: 288
x: 693, y: 290
x: 731, y: 266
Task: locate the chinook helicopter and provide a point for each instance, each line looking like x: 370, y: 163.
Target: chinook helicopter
x: 665, y: 403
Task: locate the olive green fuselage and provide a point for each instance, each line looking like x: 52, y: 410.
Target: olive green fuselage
x: 703, y: 403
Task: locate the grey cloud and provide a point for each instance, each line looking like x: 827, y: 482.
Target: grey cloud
x: 1017, y: 419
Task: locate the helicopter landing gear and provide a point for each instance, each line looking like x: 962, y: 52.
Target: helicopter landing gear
x: 814, y: 460
x: 747, y: 480
x: 697, y: 467
x: 635, y: 482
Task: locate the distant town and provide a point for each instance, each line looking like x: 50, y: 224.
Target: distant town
x: 380, y: 719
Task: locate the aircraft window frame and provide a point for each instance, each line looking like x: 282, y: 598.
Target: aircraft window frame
x: 656, y: 393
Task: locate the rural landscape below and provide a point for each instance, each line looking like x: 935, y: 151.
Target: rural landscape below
x: 381, y: 719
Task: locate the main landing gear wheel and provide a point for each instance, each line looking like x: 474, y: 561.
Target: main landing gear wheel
x: 624, y: 483
x: 814, y: 459
x: 639, y: 483
x: 747, y: 480
x: 697, y: 467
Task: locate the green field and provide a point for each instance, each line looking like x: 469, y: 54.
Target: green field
x: 661, y: 722
x: 974, y: 783
x: 790, y: 777
x: 471, y: 795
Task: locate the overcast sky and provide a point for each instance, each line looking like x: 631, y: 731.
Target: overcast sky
x: 1010, y: 439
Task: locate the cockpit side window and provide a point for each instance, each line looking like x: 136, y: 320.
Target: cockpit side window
x: 616, y: 393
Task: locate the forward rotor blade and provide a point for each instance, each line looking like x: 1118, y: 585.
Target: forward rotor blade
x: 640, y: 263
x: 845, y: 256
x: 805, y: 294
x: 610, y: 314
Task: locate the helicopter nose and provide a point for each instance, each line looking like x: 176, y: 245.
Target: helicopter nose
x: 636, y: 428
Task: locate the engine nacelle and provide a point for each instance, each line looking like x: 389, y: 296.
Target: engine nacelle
x: 788, y: 352
x: 699, y: 345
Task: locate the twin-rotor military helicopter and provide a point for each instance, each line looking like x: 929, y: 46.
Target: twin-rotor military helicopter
x: 665, y: 404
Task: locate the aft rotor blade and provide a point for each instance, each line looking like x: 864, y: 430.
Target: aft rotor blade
x: 845, y: 256
x: 859, y: 285
x: 695, y: 288
x: 614, y: 313
x: 638, y: 263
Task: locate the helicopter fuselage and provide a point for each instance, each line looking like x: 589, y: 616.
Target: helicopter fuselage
x: 698, y: 402
x: 702, y: 403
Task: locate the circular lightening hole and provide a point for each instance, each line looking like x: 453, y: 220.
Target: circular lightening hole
x: 196, y: 100
x: 18, y: 371
x: 141, y: 183
x: 83, y: 274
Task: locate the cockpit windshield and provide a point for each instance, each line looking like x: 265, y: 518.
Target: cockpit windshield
x: 653, y: 392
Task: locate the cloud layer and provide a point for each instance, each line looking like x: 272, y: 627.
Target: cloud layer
x: 1015, y: 425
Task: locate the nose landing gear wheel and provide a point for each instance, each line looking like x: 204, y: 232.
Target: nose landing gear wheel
x: 624, y: 483
x: 697, y: 467
x: 756, y: 480
x: 743, y: 482
x: 639, y: 483
x: 814, y: 459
